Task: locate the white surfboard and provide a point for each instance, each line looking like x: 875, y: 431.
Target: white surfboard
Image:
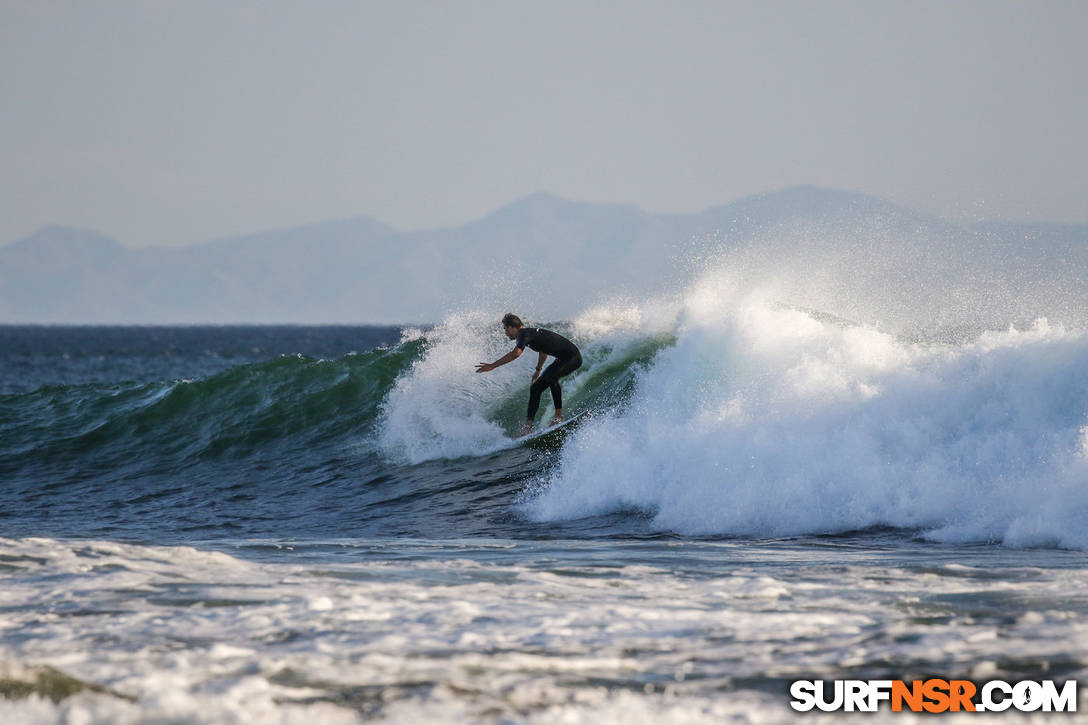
x: 544, y: 432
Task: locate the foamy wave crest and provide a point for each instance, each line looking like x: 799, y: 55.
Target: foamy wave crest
x: 770, y: 421
x: 439, y: 407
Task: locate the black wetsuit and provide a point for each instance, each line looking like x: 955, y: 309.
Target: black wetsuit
x: 567, y: 360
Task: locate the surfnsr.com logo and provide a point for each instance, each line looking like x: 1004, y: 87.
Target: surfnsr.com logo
x: 933, y: 695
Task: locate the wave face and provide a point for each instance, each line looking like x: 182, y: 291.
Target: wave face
x: 766, y: 420
x: 401, y: 440
x: 243, y: 449
x: 286, y: 402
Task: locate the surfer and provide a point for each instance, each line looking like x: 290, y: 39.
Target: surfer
x: 567, y: 359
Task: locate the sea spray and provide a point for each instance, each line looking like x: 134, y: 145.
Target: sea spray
x: 764, y: 420
x: 439, y: 408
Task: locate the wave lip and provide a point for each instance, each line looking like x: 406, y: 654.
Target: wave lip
x: 765, y: 421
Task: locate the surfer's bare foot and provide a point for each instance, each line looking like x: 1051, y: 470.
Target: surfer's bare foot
x: 526, y: 430
x: 556, y: 420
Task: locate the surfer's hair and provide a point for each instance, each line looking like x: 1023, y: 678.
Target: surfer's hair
x: 511, y: 320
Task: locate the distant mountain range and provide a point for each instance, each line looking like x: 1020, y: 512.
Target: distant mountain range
x: 846, y: 253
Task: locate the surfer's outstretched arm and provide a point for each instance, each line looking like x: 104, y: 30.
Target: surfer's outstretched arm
x: 508, y: 357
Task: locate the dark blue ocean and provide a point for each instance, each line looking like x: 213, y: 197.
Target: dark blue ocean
x: 333, y: 524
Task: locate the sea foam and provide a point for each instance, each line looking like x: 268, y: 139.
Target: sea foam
x: 766, y: 420
x: 439, y: 408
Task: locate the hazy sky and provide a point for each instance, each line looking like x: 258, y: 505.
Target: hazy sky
x: 178, y: 122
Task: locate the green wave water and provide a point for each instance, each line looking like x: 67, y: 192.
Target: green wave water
x: 286, y: 444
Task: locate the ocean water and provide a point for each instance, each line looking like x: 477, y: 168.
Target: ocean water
x: 333, y: 525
